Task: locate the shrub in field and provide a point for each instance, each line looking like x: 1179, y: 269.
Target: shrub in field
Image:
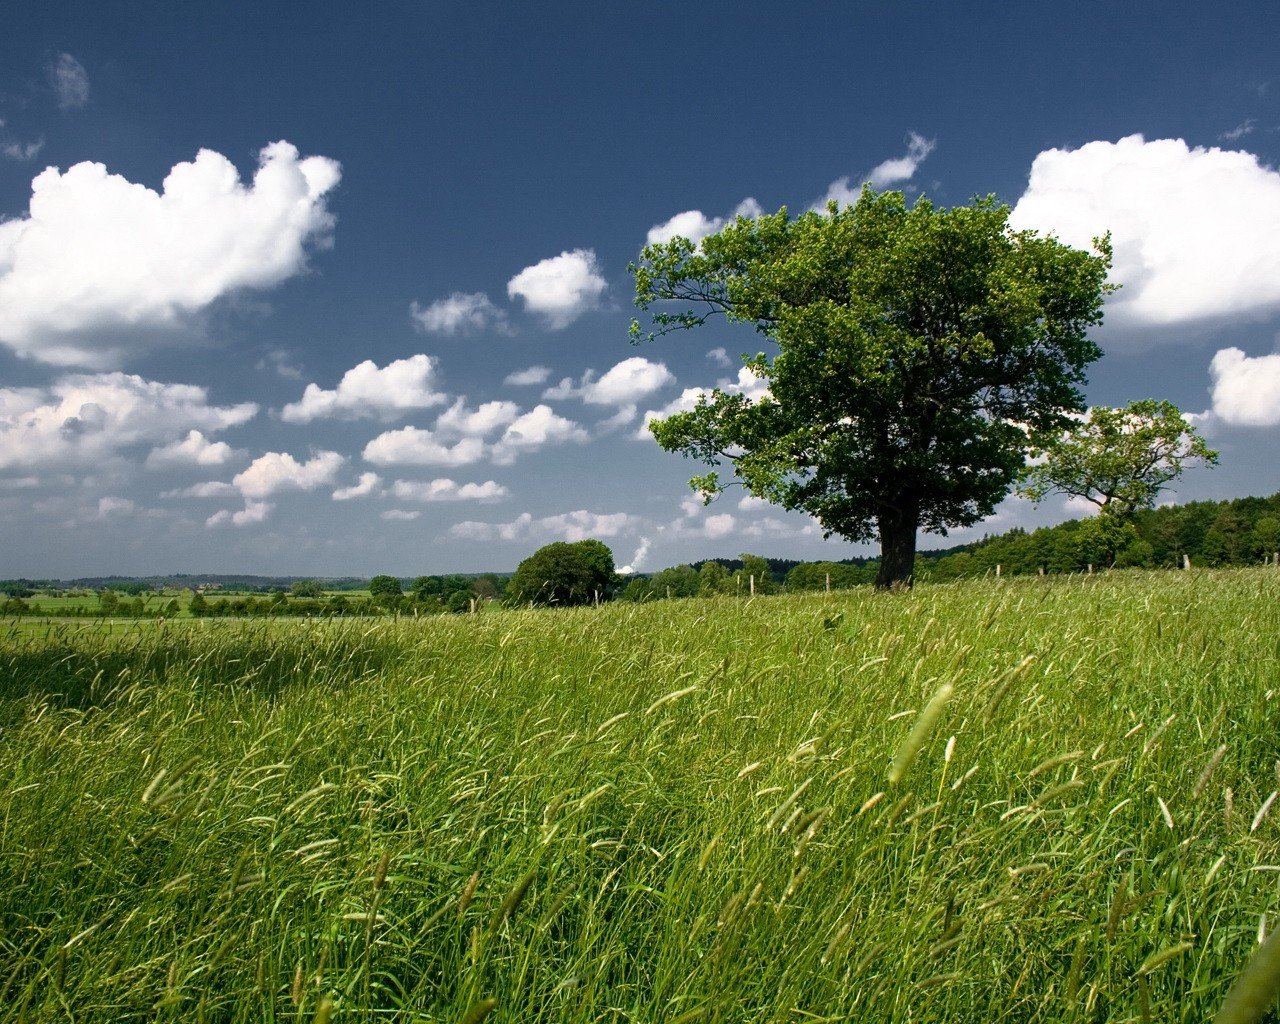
x: 564, y: 574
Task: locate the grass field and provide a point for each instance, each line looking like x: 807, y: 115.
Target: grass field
x: 672, y: 812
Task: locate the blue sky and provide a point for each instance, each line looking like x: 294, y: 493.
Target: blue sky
x: 430, y: 203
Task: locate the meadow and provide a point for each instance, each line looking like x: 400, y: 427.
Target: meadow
x: 1002, y: 800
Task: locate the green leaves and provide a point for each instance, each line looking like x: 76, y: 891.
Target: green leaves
x: 908, y: 343
x: 1119, y: 459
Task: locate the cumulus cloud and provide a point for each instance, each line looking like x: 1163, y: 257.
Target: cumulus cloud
x: 844, y: 191
x: 207, y: 489
x: 280, y: 471
x: 560, y: 288
x: 536, y: 429
x: 570, y: 526
x: 533, y: 376
x: 83, y: 419
x: 1246, y: 390
x: 459, y: 313
x: 367, y: 392
x: 193, y: 450
x: 368, y: 483
x: 444, y: 489
x: 479, y: 422
x: 719, y: 357
x: 626, y: 383
x: 401, y: 515
x: 1193, y: 228
x: 100, y: 265
x: 459, y: 436
x: 113, y: 505
x: 252, y: 513
x: 413, y: 446
x: 69, y: 81
x: 695, y: 225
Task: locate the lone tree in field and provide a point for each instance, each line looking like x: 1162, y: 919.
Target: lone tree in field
x: 1119, y: 459
x: 564, y: 574
x: 915, y: 352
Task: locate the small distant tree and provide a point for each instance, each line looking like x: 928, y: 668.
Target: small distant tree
x: 564, y: 573
x: 756, y: 568
x: 1265, y: 538
x: 307, y: 588
x: 426, y: 586
x: 713, y: 579
x: 676, y: 581
x: 385, y: 588
x: 1118, y: 459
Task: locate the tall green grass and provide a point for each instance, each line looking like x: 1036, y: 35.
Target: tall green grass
x: 669, y: 812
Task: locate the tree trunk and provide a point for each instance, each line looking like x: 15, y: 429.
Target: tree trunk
x: 898, y: 526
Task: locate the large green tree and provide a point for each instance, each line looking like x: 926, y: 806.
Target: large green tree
x: 564, y: 573
x: 1118, y: 459
x: 913, y: 349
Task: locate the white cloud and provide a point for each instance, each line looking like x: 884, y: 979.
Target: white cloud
x: 560, y: 288
x: 534, y: 375
x: 461, y: 421
x: 458, y: 438
x: 69, y: 80
x: 459, y: 313
x: 193, y: 450
x: 207, y: 489
x: 1246, y: 390
x: 622, y: 386
x: 412, y: 446
x: 627, y: 382
x: 369, y: 482
x: 750, y: 503
x: 719, y: 357
x: 695, y: 225
x: 401, y: 515
x: 1193, y: 228
x: 252, y: 513
x: 366, y: 391
x: 570, y: 526
x: 637, y: 560
x: 536, y: 429
x: 444, y: 489
x: 889, y: 172
x: 100, y: 265
x: 1237, y: 133
x: 22, y: 150
x: 114, y: 506
x: 83, y: 419
x: 279, y: 471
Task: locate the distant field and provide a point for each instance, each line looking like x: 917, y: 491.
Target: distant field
x: 678, y: 811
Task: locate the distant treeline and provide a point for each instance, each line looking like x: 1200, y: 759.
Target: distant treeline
x: 1243, y: 531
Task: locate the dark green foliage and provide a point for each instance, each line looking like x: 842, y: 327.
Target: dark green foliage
x: 385, y: 588
x: 564, y: 573
x: 912, y: 347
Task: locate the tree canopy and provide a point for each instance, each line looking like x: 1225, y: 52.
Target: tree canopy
x: 1118, y: 459
x: 564, y: 573
x: 914, y: 350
